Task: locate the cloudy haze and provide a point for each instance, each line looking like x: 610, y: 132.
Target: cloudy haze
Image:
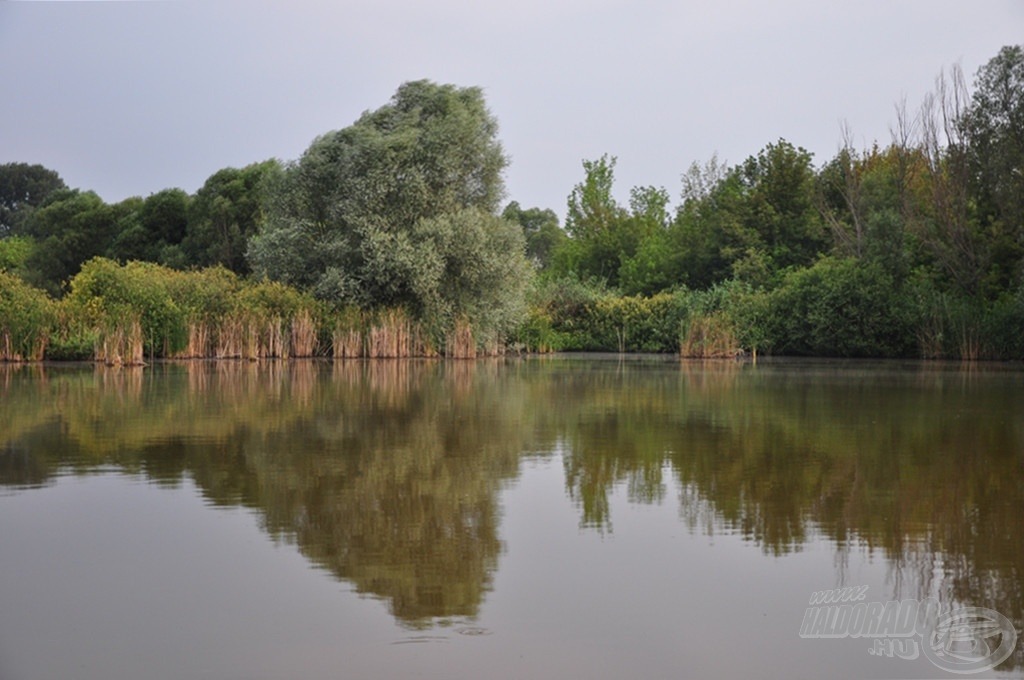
x: 128, y: 98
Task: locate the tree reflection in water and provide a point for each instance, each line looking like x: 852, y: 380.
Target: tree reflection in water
x: 387, y: 473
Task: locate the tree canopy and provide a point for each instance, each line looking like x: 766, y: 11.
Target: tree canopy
x: 24, y: 187
x: 370, y: 214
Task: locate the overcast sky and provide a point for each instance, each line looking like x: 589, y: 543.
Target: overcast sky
x: 128, y: 98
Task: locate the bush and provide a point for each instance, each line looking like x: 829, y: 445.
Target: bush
x: 1003, y: 327
x: 14, y: 253
x: 130, y: 303
x: 839, y: 307
x: 640, y: 324
x: 573, y: 315
x: 27, y: 320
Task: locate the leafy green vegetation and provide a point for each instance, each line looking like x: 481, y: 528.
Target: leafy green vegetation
x: 27, y: 318
x: 385, y: 239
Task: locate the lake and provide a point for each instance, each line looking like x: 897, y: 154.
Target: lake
x: 547, y: 517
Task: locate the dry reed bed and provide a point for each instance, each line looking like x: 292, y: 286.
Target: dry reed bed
x: 710, y: 337
x: 8, y: 351
x: 387, y: 334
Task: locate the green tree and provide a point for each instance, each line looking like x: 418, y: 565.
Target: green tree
x: 356, y: 218
x: 541, y: 230
x: 224, y: 214
x: 712, y: 231
x: 477, y: 272
x: 151, y: 230
x: 648, y: 268
x: 751, y: 221
x: 71, y: 228
x: 132, y: 241
x: 602, y: 236
x: 781, y: 190
x: 14, y: 253
x: 23, y: 188
x: 864, y: 199
x: 839, y: 307
x: 994, y: 124
x: 27, y: 319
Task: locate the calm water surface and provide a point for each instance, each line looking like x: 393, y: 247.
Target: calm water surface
x: 543, y: 518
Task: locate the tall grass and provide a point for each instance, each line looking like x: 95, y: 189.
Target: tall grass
x: 709, y: 337
x: 121, y: 344
x: 347, y: 334
x: 460, y: 343
x: 304, y: 340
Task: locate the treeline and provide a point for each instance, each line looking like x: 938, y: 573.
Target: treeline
x: 382, y: 240
x: 913, y: 249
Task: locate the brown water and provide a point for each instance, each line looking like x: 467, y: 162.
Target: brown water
x: 543, y: 518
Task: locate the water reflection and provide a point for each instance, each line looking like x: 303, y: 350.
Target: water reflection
x: 388, y: 474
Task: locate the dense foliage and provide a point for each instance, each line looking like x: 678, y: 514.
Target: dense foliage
x: 391, y: 229
x: 399, y: 210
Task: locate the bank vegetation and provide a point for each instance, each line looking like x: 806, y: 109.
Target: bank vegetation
x: 386, y: 239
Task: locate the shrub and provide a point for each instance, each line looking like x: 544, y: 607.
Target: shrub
x: 130, y: 304
x: 840, y: 307
x: 27, y: 320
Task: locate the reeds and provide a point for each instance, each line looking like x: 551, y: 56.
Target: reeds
x: 120, y: 344
x: 460, y: 344
x: 120, y: 314
x: 347, y: 343
x: 385, y: 334
x: 9, y: 349
x: 709, y: 337
x: 303, y: 335
x: 389, y: 336
x: 200, y: 341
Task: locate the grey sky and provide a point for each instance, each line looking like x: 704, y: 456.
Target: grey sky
x: 128, y: 98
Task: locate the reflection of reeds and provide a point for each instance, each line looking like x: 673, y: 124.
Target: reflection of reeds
x: 389, y: 382
x: 460, y: 376
x: 125, y: 382
x: 711, y: 377
x: 198, y: 374
x: 302, y: 380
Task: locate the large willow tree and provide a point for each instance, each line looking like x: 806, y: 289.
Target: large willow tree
x: 399, y: 209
